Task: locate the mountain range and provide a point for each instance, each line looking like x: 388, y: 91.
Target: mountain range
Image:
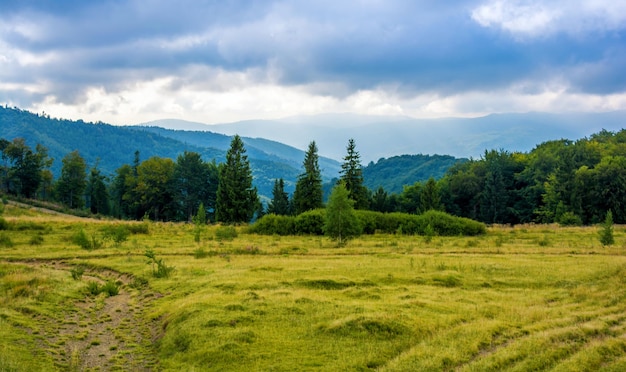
x: 379, y: 137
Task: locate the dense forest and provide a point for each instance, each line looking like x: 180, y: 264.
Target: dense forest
x: 564, y: 181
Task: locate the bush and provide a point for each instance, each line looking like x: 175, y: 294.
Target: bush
x: 82, y: 240
x: 117, y: 233
x: 570, y: 219
x: 311, y: 222
x: 110, y: 288
x: 139, y: 228
x: 272, y: 224
x: 36, y: 239
x: 225, y: 233
x: 5, y: 240
x: 4, y: 225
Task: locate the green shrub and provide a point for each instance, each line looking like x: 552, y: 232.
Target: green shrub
x: 159, y: 268
x: 139, y: 228
x: 77, y: 272
x: 6, y: 241
x: 4, y: 225
x: 110, y: 288
x: 117, y: 233
x: 225, y: 233
x: 36, y: 239
x: 82, y: 240
x: 272, y: 224
x: 570, y: 219
x: 311, y: 222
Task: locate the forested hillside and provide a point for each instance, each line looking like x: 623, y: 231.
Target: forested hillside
x: 113, y: 146
x: 393, y: 173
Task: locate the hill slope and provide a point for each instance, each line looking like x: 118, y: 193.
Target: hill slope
x: 395, y: 172
x: 385, y: 136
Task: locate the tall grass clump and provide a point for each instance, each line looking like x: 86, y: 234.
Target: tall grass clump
x: 225, y: 233
x: 116, y: 233
x: 159, y: 268
x: 81, y: 239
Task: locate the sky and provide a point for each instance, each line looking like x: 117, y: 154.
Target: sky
x: 133, y: 61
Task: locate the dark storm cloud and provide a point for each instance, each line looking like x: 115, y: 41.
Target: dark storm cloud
x: 429, y: 46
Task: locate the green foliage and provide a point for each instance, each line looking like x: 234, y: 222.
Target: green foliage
x: 36, y: 239
x: 225, y: 233
x: 4, y: 225
x: 116, y: 233
x: 77, y: 272
x: 341, y: 222
x: 280, y: 199
x: 271, y: 224
x: 352, y: 177
x: 5, y: 240
x: 73, y: 181
x: 309, y: 193
x: 84, y: 241
x: 159, y: 268
x: 606, y: 233
x: 310, y: 222
x: 394, y: 172
x: 236, y: 198
x: 139, y: 228
x: 110, y: 288
x: 570, y: 219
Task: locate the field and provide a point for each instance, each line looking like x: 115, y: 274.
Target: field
x: 519, y: 298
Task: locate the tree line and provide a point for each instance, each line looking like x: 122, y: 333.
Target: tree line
x: 564, y: 181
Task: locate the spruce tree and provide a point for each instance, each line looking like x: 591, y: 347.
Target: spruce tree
x: 309, y: 194
x: 280, y: 199
x: 237, y: 200
x: 352, y: 177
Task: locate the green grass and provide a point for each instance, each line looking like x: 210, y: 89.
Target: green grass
x: 522, y: 298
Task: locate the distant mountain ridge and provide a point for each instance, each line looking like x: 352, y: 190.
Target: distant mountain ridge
x: 379, y: 137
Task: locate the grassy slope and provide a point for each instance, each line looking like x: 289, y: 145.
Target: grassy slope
x: 530, y: 297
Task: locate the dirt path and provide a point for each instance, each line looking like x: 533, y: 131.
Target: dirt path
x: 102, y: 333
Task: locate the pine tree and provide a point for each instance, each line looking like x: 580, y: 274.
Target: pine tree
x: 341, y: 223
x: 280, y: 199
x: 352, y: 177
x: 309, y: 194
x: 237, y: 200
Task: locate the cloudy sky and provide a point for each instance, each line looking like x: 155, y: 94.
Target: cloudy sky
x: 131, y: 61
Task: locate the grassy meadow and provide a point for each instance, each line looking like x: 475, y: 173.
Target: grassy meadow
x: 519, y: 298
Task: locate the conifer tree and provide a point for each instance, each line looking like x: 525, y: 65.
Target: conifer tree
x: 352, y: 177
x: 237, y: 200
x: 309, y: 193
x: 280, y: 199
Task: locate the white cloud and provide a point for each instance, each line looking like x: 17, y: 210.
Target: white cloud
x: 532, y: 18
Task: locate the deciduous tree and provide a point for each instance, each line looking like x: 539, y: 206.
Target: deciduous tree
x: 73, y: 181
